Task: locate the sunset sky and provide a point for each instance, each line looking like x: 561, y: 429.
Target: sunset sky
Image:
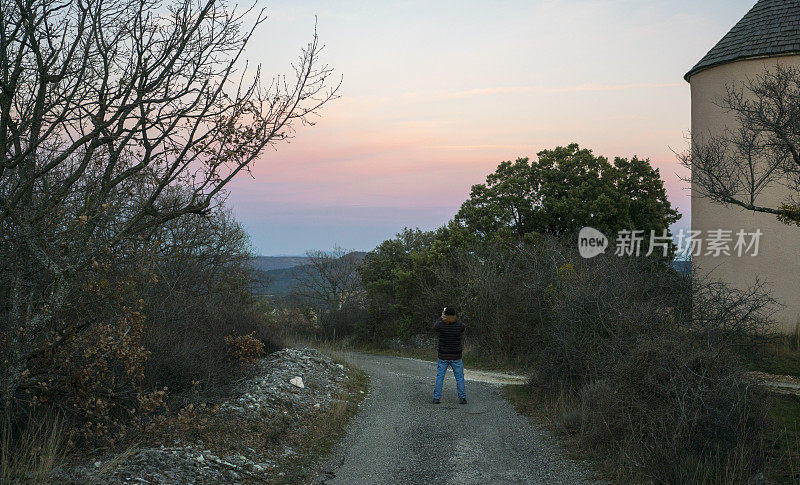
x: 436, y: 94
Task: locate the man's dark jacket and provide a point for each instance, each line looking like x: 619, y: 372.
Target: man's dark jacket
x: 449, y: 331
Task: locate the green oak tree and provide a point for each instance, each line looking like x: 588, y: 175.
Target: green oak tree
x: 393, y: 275
x: 563, y: 190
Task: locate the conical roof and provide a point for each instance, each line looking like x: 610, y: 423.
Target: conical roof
x: 770, y: 28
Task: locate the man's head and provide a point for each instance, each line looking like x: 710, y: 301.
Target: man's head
x: 449, y: 314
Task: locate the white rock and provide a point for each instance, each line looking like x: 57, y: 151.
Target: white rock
x: 97, y: 464
x: 201, y: 459
x: 340, y: 366
x: 297, y: 382
x: 316, y: 406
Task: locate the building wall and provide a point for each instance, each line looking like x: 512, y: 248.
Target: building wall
x: 778, y: 261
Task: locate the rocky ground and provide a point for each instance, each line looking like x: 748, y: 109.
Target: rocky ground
x: 242, y: 439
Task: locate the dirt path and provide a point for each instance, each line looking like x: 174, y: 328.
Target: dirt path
x: 778, y: 384
x: 399, y: 436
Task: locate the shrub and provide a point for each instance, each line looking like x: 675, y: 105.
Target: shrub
x: 596, y: 310
x: 342, y: 322
x: 245, y: 349
x: 91, y: 376
x: 187, y: 339
x: 733, y: 317
x: 201, y: 296
x: 144, y: 328
x: 675, y: 411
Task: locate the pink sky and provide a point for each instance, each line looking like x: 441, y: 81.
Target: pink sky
x: 435, y: 96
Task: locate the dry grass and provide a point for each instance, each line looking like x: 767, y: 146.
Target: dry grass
x: 793, y: 340
x: 29, y: 456
x: 784, y: 439
x: 562, y: 414
x: 109, y: 466
x: 779, y: 355
x: 558, y: 411
x: 221, y: 432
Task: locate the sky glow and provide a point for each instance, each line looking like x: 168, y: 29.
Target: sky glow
x: 436, y: 94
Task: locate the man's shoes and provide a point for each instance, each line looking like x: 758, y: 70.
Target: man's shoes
x: 462, y: 401
x: 435, y: 401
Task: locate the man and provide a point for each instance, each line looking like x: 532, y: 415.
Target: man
x: 449, y: 329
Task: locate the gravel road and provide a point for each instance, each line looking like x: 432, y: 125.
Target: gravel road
x: 399, y: 436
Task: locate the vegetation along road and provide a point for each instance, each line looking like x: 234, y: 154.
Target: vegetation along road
x: 399, y: 436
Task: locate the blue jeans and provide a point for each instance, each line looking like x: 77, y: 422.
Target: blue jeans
x: 458, y: 372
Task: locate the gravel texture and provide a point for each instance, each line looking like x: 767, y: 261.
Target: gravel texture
x: 269, y: 395
x: 272, y: 390
x: 399, y: 436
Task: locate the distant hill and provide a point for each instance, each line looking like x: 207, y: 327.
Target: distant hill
x: 269, y: 263
x: 277, y: 281
x: 277, y: 275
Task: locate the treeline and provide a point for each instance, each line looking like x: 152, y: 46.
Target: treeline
x: 644, y: 360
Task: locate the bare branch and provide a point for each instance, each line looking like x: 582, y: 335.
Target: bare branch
x: 761, y: 152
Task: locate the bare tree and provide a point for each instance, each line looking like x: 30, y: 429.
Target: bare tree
x: 116, y: 117
x: 761, y: 152
x: 330, y: 281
